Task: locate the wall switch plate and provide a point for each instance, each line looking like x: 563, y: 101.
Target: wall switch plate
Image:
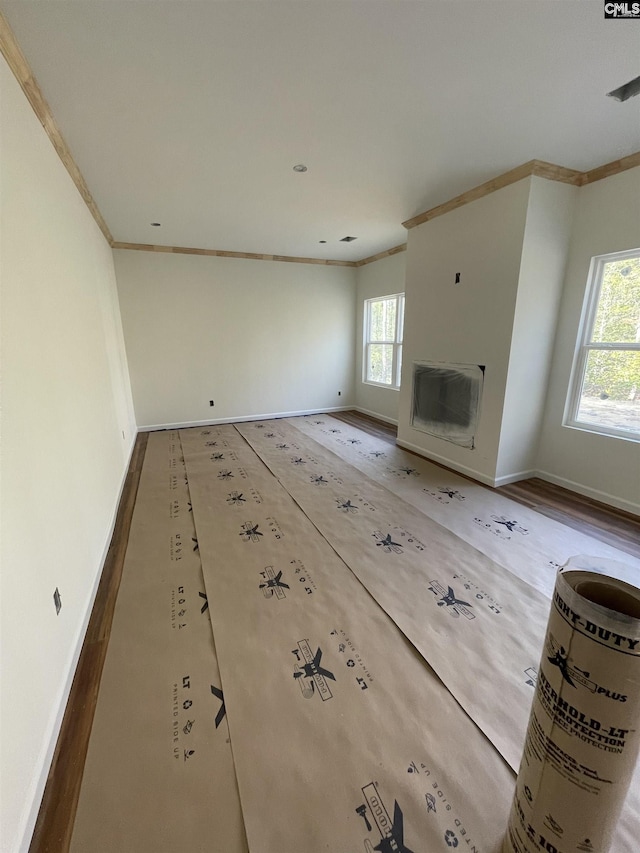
x: 57, y: 600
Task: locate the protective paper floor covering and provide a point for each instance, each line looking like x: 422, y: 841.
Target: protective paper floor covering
x: 478, y: 625
x: 343, y: 738
x: 444, y: 595
x: 520, y: 539
x: 159, y: 773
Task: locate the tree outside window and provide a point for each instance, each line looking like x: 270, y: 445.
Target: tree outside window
x: 605, y: 392
x: 383, y: 327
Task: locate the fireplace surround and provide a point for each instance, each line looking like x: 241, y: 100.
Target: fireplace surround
x: 446, y: 400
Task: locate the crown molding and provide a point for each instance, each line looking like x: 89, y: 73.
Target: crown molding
x: 401, y: 248
x: 21, y: 69
x: 18, y: 64
x: 219, y: 253
x: 542, y: 169
x: 534, y: 168
x: 613, y: 168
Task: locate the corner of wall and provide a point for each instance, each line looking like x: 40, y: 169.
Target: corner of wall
x: 543, y: 263
x: 383, y: 277
x: 603, y: 467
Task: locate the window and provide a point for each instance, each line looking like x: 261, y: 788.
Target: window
x: 383, y: 322
x: 605, y: 390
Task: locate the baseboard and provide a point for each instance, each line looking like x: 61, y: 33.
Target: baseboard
x: 376, y: 415
x: 448, y: 463
x: 587, y: 491
x: 514, y: 478
x: 244, y: 419
x: 51, y: 739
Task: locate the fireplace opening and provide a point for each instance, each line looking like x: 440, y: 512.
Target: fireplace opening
x: 446, y: 400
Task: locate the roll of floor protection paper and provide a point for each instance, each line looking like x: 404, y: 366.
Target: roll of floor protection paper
x: 583, y: 735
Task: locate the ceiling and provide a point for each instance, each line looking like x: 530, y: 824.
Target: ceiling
x: 193, y: 114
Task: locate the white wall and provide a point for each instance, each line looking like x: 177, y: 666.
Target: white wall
x: 380, y: 278
x: 67, y: 430
x: 542, y: 271
x: 257, y: 337
x: 466, y: 323
x: 607, y: 219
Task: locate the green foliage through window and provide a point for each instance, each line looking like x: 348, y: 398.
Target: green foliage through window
x: 607, y: 385
x: 383, y: 322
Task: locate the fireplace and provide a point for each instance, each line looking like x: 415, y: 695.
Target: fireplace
x: 446, y: 400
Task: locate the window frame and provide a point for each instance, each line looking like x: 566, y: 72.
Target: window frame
x: 585, y: 345
x: 397, y: 342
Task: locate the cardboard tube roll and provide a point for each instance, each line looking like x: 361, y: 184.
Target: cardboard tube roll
x: 583, y: 737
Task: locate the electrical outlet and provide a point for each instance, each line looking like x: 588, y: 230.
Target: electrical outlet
x: 57, y: 600
x: 211, y: 403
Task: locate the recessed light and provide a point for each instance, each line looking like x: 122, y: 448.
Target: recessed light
x: 300, y: 168
x: 623, y: 93
x: 156, y: 224
x: 348, y: 239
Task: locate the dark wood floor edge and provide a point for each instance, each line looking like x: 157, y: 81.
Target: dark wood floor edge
x: 542, y: 484
x: 610, y: 524
x: 54, y: 824
x: 371, y: 424
x: 378, y: 420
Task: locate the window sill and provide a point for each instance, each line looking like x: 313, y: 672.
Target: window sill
x: 596, y: 429
x: 380, y: 385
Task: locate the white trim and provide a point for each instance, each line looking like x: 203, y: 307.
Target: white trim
x: 381, y: 384
x: 243, y: 418
x: 571, y: 485
x: 39, y: 779
x: 587, y: 491
x: 597, y: 429
x: 376, y: 415
x: 514, y: 478
x: 396, y: 343
x: 584, y: 345
x: 448, y: 463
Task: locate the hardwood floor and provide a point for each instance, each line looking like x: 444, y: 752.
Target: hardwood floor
x: 616, y: 527
x: 57, y: 812
x: 54, y: 825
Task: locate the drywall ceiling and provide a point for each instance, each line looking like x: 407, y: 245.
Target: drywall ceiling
x: 192, y: 114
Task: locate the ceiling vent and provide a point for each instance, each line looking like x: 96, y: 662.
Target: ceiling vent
x: 348, y: 239
x: 623, y: 93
